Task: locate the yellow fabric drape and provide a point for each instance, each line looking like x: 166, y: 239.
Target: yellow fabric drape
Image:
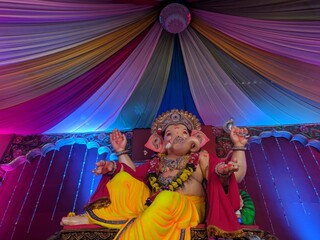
x: 127, y: 201
x: 170, y: 216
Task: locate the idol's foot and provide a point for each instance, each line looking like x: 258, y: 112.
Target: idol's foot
x: 75, y: 220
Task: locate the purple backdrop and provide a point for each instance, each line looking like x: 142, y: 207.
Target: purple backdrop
x: 283, y: 180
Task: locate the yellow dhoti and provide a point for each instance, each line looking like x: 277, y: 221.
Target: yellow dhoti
x: 170, y: 216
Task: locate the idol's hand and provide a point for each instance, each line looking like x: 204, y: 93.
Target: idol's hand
x: 103, y: 167
x: 239, y: 136
x: 118, y: 140
x: 228, y: 168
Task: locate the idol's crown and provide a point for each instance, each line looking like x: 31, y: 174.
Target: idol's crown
x: 175, y: 117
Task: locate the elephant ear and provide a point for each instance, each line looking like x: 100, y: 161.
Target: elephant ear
x: 155, y: 143
x: 203, y: 139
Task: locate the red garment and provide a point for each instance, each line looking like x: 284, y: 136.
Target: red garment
x: 221, y: 219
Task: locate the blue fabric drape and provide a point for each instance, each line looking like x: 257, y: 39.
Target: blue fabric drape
x: 177, y: 94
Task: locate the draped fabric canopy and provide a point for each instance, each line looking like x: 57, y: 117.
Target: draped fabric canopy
x: 92, y: 65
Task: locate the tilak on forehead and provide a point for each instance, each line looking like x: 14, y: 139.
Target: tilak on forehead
x: 175, y: 128
x: 175, y: 117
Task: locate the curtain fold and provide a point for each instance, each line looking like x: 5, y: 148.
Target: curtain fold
x: 265, y: 9
x: 270, y: 98
x: 177, y: 94
x: 296, y: 76
x: 29, y: 41
x: 42, y: 113
x: 298, y: 40
x: 216, y: 96
x: 141, y: 109
x: 59, y: 60
x: 21, y: 82
x: 103, y: 107
x: 35, y: 11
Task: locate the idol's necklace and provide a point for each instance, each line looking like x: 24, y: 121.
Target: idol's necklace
x: 170, y: 165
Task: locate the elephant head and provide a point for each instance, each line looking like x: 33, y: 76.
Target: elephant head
x: 177, y: 140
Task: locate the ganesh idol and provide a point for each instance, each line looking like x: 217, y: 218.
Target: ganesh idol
x: 174, y: 191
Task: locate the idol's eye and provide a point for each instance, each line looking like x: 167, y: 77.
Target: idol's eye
x: 168, y: 134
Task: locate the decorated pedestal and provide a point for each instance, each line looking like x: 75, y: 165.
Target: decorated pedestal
x: 95, y: 232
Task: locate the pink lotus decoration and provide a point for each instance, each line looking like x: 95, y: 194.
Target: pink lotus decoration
x: 175, y: 17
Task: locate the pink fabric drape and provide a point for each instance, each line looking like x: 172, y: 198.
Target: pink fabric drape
x: 258, y: 60
x: 63, y: 101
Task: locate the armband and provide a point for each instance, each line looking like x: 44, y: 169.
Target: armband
x: 122, y: 152
x: 114, y: 168
x: 239, y: 148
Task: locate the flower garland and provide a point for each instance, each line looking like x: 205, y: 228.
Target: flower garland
x: 178, y: 181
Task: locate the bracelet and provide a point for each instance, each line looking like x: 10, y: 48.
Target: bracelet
x: 226, y: 175
x: 122, y: 152
x: 239, y: 148
x: 114, y: 168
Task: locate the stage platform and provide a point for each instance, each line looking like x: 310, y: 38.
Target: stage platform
x: 95, y: 232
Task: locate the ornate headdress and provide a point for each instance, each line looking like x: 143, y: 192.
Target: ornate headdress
x: 175, y: 117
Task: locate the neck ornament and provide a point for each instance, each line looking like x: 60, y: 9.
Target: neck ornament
x: 154, y: 172
x: 166, y: 164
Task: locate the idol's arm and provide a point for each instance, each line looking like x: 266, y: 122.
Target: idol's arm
x: 238, y: 158
x: 119, y: 143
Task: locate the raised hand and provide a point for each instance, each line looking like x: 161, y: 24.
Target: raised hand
x: 239, y: 136
x: 118, y: 140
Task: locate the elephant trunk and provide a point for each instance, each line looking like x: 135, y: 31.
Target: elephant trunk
x: 182, y: 146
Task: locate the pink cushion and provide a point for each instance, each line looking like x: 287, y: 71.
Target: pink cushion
x: 82, y: 226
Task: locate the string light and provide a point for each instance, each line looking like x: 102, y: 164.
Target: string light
x: 80, y: 179
x: 274, y: 184
x: 290, y: 174
x: 314, y: 157
x: 62, y: 182
x: 26, y: 197
x: 306, y: 169
x: 93, y: 177
x: 260, y: 187
x: 12, y: 194
x: 41, y: 191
